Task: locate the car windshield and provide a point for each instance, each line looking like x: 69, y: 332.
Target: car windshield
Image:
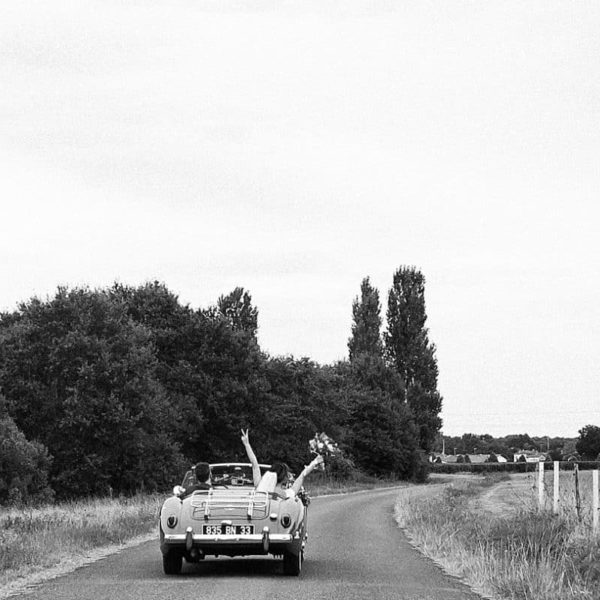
x: 233, y: 474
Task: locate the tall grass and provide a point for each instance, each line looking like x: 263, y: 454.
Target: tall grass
x: 525, y: 555
x: 37, y: 538
x: 567, y: 497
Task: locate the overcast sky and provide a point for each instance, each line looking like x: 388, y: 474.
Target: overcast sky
x: 295, y: 147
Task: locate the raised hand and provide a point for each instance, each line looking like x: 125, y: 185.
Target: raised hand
x: 318, y: 460
x: 245, y: 437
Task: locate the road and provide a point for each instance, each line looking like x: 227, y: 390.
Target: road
x: 355, y: 551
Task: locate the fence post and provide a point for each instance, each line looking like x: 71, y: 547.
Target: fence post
x: 556, y: 496
x: 541, y: 485
x: 577, y: 494
x: 595, y: 500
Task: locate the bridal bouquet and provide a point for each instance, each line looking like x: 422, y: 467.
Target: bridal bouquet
x: 323, y: 445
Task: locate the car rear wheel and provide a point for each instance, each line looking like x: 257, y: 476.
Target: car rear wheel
x: 172, y: 563
x: 292, y: 563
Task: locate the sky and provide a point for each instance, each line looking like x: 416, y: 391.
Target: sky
x: 294, y: 147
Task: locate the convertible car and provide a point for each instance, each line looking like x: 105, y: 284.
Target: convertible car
x: 232, y: 518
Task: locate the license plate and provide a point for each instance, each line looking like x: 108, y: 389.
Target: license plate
x: 227, y: 529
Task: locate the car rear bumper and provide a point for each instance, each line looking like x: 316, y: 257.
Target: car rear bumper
x: 232, y: 545
x: 197, y: 538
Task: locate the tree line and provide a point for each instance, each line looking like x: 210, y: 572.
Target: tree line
x: 586, y: 447
x: 120, y: 389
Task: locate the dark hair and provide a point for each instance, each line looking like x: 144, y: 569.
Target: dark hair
x: 282, y: 470
x: 202, y: 470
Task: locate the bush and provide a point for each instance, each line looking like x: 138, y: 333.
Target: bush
x: 341, y: 468
x: 23, y: 467
x: 422, y: 471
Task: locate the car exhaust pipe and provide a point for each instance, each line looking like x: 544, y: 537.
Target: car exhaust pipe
x: 196, y: 555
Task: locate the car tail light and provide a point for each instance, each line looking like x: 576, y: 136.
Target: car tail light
x: 286, y: 520
x: 171, y: 521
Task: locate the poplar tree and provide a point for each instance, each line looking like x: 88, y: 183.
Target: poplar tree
x: 366, y: 326
x: 409, y: 351
x: 382, y: 435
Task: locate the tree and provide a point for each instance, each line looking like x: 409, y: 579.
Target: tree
x: 380, y: 431
x: 366, y: 326
x: 425, y: 406
x: 588, y: 444
x: 474, y: 444
x: 23, y: 466
x: 80, y: 377
x: 236, y: 307
x: 408, y: 350
x: 407, y: 344
x: 181, y: 338
x: 383, y: 436
x: 517, y: 442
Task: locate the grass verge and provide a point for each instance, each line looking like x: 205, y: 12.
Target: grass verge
x: 37, y: 539
x: 524, y: 555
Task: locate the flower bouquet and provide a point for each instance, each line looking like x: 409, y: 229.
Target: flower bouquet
x: 324, y: 446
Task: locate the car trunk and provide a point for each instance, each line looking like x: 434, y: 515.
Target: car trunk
x: 229, y: 504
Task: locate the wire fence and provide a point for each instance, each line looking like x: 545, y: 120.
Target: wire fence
x: 572, y: 492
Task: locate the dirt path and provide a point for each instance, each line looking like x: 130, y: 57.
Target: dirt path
x: 508, y: 496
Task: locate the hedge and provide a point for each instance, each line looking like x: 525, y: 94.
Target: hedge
x: 509, y: 467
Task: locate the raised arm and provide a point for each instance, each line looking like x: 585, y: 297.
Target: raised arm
x: 256, y: 475
x: 308, y: 469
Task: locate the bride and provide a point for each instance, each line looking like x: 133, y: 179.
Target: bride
x: 276, y: 478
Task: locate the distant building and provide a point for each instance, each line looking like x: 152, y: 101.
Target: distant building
x: 530, y: 456
x: 439, y: 458
x: 477, y: 458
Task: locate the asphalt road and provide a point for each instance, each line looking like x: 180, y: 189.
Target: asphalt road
x: 355, y: 550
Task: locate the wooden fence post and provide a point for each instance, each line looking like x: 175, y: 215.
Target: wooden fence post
x: 595, y: 500
x: 556, y: 496
x: 541, y: 485
x: 577, y: 494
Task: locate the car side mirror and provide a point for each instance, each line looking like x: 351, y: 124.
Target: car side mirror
x: 178, y: 491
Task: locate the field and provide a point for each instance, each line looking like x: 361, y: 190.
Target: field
x: 489, y: 531
x: 567, y: 497
x: 521, y: 491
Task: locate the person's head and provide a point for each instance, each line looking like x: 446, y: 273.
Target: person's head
x: 202, y: 470
x: 281, y: 470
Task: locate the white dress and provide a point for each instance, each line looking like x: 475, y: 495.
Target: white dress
x: 268, y: 483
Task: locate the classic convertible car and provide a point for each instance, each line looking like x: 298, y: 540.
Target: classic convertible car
x: 232, y: 519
